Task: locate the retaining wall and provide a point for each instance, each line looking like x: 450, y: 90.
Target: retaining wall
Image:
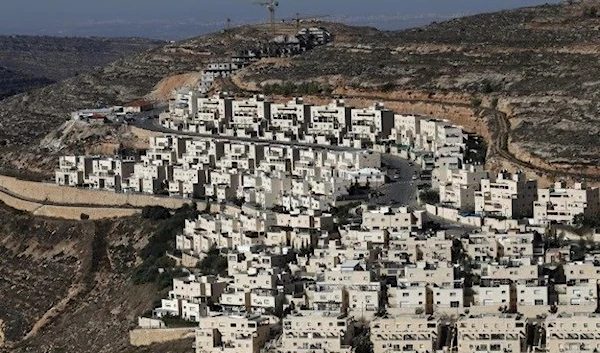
x: 146, y: 337
x: 66, y: 212
x: 51, y: 193
x: 1, y: 334
x: 93, y: 212
x: 19, y: 204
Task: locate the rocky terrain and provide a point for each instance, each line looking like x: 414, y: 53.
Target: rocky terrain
x: 65, y: 285
x: 14, y: 82
x: 28, y: 62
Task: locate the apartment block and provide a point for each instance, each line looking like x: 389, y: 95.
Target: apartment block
x: 232, y: 333
x: 508, y: 195
x: 329, y: 121
x: 369, y: 124
x: 407, y: 129
x: 493, y: 296
x: 393, y: 219
x: 250, y: 113
x: 481, y: 247
x: 561, y: 204
x: 418, y: 334
x: 310, y: 331
x: 292, y: 116
x: 73, y: 170
x: 492, y: 333
x: 458, y: 191
x: 573, y: 332
x: 409, y: 298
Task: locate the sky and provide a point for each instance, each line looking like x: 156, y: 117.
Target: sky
x: 178, y: 19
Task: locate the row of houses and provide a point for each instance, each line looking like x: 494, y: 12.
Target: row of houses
x: 280, y: 46
x: 322, y: 331
x: 333, y: 124
x: 257, y: 173
x: 470, y: 189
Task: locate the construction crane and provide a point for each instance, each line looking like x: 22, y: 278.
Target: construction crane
x: 300, y: 19
x: 271, y: 5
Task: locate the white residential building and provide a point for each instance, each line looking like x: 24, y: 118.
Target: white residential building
x: 370, y: 124
x: 233, y: 333
x: 418, y: 334
x: 510, y: 196
x: 492, y: 333
x: 310, y: 331
x: 561, y: 204
x: 458, y: 191
x: 393, y: 218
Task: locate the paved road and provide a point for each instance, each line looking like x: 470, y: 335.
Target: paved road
x: 402, y: 190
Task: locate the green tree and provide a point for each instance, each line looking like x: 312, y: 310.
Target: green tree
x: 429, y: 196
x: 214, y: 263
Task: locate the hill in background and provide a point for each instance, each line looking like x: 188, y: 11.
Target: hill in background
x: 29, y: 62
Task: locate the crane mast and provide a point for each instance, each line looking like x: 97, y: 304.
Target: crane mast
x: 271, y: 6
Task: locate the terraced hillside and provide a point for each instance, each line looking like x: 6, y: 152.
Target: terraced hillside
x: 65, y: 285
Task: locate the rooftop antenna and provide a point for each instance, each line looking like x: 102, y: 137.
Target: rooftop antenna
x: 271, y: 5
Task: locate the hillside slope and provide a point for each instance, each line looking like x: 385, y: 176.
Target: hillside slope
x: 28, y: 62
x: 65, y: 285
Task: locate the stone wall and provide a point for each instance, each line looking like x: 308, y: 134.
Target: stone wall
x: 51, y: 193
x: 19, y: 204
x: 146, y: 337
x: 75, y: 212
x: 66, y: 212
x: 1, y: 334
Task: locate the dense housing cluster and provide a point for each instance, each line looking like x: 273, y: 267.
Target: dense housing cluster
x: 309, y: 269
